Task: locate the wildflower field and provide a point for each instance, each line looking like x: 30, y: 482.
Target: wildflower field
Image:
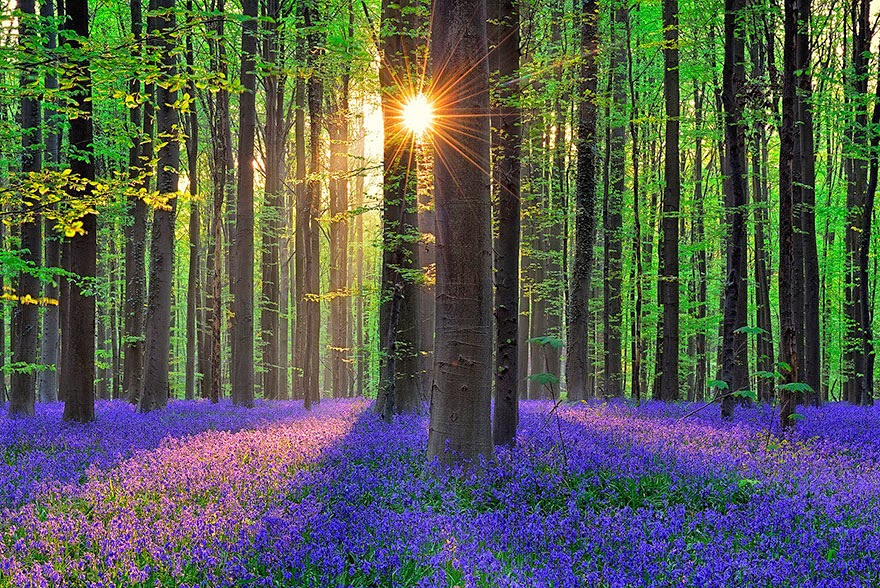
x: 604, y: 495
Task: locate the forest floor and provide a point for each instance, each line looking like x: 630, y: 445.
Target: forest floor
x: 595, y: 494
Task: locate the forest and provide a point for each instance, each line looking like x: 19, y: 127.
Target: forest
x: 454, y: 293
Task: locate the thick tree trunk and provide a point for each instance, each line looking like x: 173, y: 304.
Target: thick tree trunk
x: 275, y: 140
x: 311, y: 274
x: 399, y: 378
x: 156, y: 384
x: 460, y: 428
x: 666, y: 381
x: 242, y: 260
x: 25, y: 325
x: 79, y: 257
x: 578, y: 363
x: 859, y: 382
x: 506, y: 140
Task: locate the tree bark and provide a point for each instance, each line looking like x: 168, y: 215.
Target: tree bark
x: 460, y: 428
x: 578, y: 363
x: 734, y: 366
x: 156, y: 384
x: 25, y: 324
x: 399, y: 378
x: 47, y: 381
x: 787, y: 135
x: 242, y: 255
x: 666, y: 381
x: 193, y: 286
x: 506, y: 140
x: 79, y: 257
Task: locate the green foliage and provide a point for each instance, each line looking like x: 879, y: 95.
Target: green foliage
x: 547, y: 340
x: 544, y: 378
x: 796, y: 387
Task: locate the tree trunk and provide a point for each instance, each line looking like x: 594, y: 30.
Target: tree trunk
x: 637, y: 339
x: 275, y: 140
x: 25, y: 325
x: 578, y: 363
x: 734, y: 368
x: 787, y: 220
x: 506, y: 140
x: 193, y: 286
x: 242, y: 260
x: 859, y: 385
x: 303, y: 238
x: 139, y: 156
x: 311, y: 274
x: 47, y: 381
x: 156, y: 384
x: 340, y: 352
x: 399, y: 378
x: 78, y: 328
x: 460, y: 427
x: 221, y: 159
x: 612, y: 218
x: 666, y: 381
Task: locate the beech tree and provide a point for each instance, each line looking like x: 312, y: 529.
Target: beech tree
x: 460, y: 427
x: 79, y: 255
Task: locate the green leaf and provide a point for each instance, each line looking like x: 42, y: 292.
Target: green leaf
x: 544, y: 378
x: 554, y: 342
x: 751, y: 330
x: 796, y: 387
x: 783, y: 366
x: 720, y: 384
x: 746, y: 394
x: 796, y: 416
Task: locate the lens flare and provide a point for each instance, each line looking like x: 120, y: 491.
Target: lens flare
x: 418, y: 114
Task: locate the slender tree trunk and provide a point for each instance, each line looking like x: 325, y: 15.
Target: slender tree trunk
x: 734, y: 368
x: 156, y: 383
x: 79, y: 256
x: 139, y: 156
x: 637, y: 339
x: 303, y: 224
x: 427, y: 262
x: 47, y: 381
x: 460, y: 427
x: 506, y: 139
x: 340, y: 352
x: 360, y: 358
x: 612, y: 218
x: 193, y: 286
x: 787, y: 348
